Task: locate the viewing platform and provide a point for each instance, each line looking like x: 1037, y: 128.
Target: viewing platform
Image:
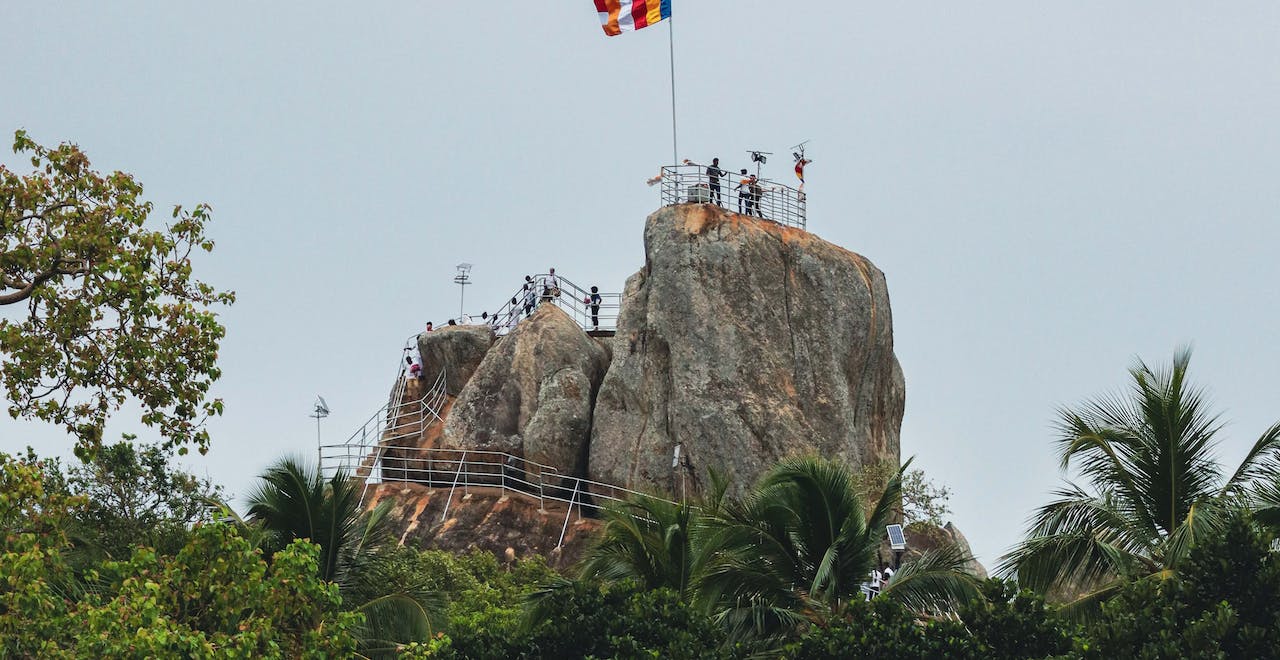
x: 771, y: 200
x: 597, y: 313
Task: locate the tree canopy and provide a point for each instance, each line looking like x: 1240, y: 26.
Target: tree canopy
x: 1158, y: 488
x: 99, y: 305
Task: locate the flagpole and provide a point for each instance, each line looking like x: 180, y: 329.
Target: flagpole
x: 671, y: 43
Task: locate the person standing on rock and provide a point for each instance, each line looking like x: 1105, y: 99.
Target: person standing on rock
x: 530, y: 298
x: 430, y: 327
x: 744, y: 192
x: 593, y: 301
x: 714, y: 174
x: 753, y: 201
x: 550, y: 285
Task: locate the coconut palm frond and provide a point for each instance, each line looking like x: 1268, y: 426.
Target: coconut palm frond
x: 395, y: 618
x: 1069, y: 557
x: 937, y: 581
x: 760, y: 624
x: 1157, y: 487
x: 1088, y: 606
x: 1265, y: 501
x: 294, y: 501
x: 1261, y: 463
x: 645, y: 539
x: 1205, y: 520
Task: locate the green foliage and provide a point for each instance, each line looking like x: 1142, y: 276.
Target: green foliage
x: 487, y: 600
x: 576, y: 619
x: 112, y: 311
x: 215, y: 598
x: 1158, y: 489
x: 440, y: 646
x: 884, y: 629
x: 923, y: 500
x: 1008, y: 623
x: 294, y: 501
x: 647, y: 540
x: 134, y: 496
x: 1221, y: 605
x: 798, y: 548
x: 35, y: 584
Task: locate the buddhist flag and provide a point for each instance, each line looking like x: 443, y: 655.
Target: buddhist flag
x: 618, y: 16
x: 800, y: 163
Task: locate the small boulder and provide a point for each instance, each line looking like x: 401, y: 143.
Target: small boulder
x: 458, y: 349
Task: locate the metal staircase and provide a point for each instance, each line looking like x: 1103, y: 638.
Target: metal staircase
x: 385, y: 450
x: 573, y: 299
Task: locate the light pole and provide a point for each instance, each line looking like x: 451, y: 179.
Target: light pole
x: 319, y: 412
x: 462, y: 279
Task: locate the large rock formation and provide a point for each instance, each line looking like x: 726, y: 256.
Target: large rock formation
x: 458, y: 349
x: 461, y: 522
x: 532, y: 394
x: 745, y: 341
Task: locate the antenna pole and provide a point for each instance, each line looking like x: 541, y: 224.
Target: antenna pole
x: 671, y: 43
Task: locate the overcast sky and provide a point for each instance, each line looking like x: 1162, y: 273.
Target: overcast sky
x: 1051, y: 188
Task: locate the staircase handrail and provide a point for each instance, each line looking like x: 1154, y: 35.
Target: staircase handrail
x: 495, y: 469
x: 570, y: 299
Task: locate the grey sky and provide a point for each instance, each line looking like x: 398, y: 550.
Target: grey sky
x: 1050, y: 188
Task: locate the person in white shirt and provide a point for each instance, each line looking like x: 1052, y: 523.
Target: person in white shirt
x: 550, y: 285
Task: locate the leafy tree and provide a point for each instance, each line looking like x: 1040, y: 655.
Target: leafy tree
x: 37, y: 585
x: 294, y: 501
x: 1157, y: 489
x: 1008, y: 623
x: 216, y: 597
x: 581, y: 619
x: 1222, y: 604
x: 134, y: 496
x: 883, y: 628
x: 799, y: 547
x: 487, y: 600
x: 109, y: 309
x: 923, y: 500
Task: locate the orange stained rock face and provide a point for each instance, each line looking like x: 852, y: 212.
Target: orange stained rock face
x: 700, y: 218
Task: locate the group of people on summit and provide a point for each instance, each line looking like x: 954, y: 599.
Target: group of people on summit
x: 533, y: 292
x: 749, y: 188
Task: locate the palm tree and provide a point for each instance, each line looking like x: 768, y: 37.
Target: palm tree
x: 799, y: 547
x: 650, y: 541
x: 294, y: 501
x: 1156, y: 488
x: 647, y: 540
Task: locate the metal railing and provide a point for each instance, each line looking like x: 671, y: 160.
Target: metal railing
x: 392, y: 424
x: 771, y: 200
x: 467, y: 470
x: 573, y: 299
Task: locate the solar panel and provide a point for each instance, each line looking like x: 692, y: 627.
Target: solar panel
x: 897, y: 540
